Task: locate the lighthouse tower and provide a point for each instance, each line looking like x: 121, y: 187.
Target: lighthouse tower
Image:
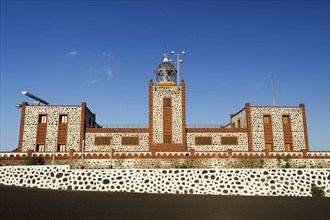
x: 167, y: 109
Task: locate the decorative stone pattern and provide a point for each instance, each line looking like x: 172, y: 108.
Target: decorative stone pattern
x: 52, y: 112
x: 276, y: 115
x: 216, y: 142
x: 240, y: 116
x: 261, y: 182
x: 116, y: 142
x: 174, y: 92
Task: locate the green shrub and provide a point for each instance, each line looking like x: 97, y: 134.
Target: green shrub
x: 287, y: 161
x: 317, y: 191
x: 34, y: 160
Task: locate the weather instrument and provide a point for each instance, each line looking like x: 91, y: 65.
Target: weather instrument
x: 37, y: 100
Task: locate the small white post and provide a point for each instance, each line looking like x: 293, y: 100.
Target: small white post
x: 54, y: 155
x: 82, y: 153
x: 111, y: 156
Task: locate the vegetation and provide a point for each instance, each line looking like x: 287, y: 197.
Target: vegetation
x: 317, y: 191
x: 183, y: 166
x: 287, y: 162
x: 120, y: 161
x: 34, y: 160
x: 250, y: 163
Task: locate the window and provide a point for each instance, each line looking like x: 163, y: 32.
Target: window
x: 239, y: 123
x: 286, y: 119
x: 269, y: 147
x: 288, y: 147
x: 61, y: 147
x: 203, y: 140
x: 42, y: 118
x: 233, y: 125
x: 63, y: 119
x: 266, y: 119
x: 40, y: 148
x: 105, y: 141
x: 130, y: 140
x: 229, y: 141
x: 167, y: 102
x: 167, y: 139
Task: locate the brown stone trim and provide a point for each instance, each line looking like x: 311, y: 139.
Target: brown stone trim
x: 203, y: 140
x: 287, y: 132
x: 174, y: 153
x: 249, y: 125
x: 184, y: 131
x: 275, y: 106
x: 303, y: 112
x: 216, y: 130
x: 117, y: 130
x: 151, y: 100
x: 21, y: 130
x: 82, y: 125
x: 62, y: 130
x: 268, y: 130
x: 167, y: 119
x: 231, y: 121
x: 233, y: 115
x: 168, y: 148
x: 229, y: 141
x: 130, y: 141
x: 102, y: 141
x: 41, y: 131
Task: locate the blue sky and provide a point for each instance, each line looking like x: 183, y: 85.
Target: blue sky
x: 105, y: 52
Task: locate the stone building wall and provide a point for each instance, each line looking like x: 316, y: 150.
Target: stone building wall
x: 53, y: 113
x: 116, y: 142
x: 276, y: 114
x: 216, y: 141
x: 241, y: 116
x: 174, y: 92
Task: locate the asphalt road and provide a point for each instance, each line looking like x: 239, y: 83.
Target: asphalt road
x: 32, y: 203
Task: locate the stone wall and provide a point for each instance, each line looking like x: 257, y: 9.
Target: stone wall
x: 116, y: 141
x: 216, y: 141
x: 174, y: 92
x: 241, y: 116
x: 52, y: 112
x: 262, y: 182
x: 276, y: 114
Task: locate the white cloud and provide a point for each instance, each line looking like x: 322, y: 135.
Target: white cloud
x: 93, y: 81
x: 97, y: 71
x: 107, y: 55
x: 72, y: 53
x: 109, y: 73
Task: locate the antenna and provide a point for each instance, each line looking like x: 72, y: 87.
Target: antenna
x: 271, y: 77
x: 36, y: 99
x: 165, y: 48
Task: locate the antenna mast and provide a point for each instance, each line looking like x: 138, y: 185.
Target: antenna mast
x: 271, y: 77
